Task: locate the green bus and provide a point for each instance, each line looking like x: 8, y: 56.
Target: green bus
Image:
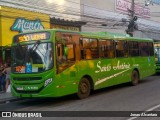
x: 54, y: 63
x: 157, y: 56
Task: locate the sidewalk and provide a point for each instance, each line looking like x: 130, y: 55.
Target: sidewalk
x: 7, y: 97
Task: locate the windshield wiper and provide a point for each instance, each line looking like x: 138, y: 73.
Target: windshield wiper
x: 30, y: 51
x: 34, y: 48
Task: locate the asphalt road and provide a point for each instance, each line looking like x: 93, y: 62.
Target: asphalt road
x: 145, y: 96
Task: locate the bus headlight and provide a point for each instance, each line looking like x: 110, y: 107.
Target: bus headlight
x: 47, y: 82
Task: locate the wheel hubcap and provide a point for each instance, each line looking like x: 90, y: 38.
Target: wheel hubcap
x: 83, y: 88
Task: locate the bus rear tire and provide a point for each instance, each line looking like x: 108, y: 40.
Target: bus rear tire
x: 84, y: 88
x: 135, y: 77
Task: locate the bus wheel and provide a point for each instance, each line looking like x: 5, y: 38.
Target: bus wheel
x: 135, y: 78
x: 84, y: 88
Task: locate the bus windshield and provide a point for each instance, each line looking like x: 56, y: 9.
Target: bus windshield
x: 32, y: 58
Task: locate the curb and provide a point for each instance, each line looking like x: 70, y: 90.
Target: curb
x: 8, y: 100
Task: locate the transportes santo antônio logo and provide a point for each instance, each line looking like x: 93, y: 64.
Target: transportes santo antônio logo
x: 22, y: 25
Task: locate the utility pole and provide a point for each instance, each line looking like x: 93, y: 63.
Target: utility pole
x: 132, y: 25
x: 132, y: 10
x: 132, y: 16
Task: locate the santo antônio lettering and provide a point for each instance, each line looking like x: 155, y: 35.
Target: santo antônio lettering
x: 118, y: 66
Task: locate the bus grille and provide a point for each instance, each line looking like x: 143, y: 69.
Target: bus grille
x: 27, y: 78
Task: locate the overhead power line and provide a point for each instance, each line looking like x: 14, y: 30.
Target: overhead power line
x: 71, y: 12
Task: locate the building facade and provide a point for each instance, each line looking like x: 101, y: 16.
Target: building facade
x: 14, y: 21
x: 17, y: 16
x: 23, y: 16
x: 104, y: 15
x: 114, y: 16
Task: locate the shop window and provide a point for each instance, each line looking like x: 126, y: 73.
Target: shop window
x: 5, y: 53
x: 1, y: 56
x: 8, y: 55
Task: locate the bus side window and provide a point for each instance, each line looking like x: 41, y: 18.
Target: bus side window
x: 121, y: 49
x: 60, y: 53
x: 133, y: 48
x: 66, y: 50
x: 65, y: 57
x: 144, y: 50
x: 70, y: 52
x: 106, y: 48
x: 88, y: 54
x: 89, y: 48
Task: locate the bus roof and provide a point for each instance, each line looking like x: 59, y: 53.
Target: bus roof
x: 108, y: 35
x: 104, y: 35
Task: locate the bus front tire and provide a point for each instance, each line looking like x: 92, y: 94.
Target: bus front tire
x: 84, y: 88
x: 135, y: 78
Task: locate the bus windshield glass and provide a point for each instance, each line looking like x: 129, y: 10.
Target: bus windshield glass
x: 32, y: 58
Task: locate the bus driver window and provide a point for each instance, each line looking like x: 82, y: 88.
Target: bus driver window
x: 60, y: 54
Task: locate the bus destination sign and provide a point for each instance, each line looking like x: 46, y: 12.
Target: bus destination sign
x: 31, y: 37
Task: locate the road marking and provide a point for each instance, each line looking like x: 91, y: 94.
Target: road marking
x: 150, y: 109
